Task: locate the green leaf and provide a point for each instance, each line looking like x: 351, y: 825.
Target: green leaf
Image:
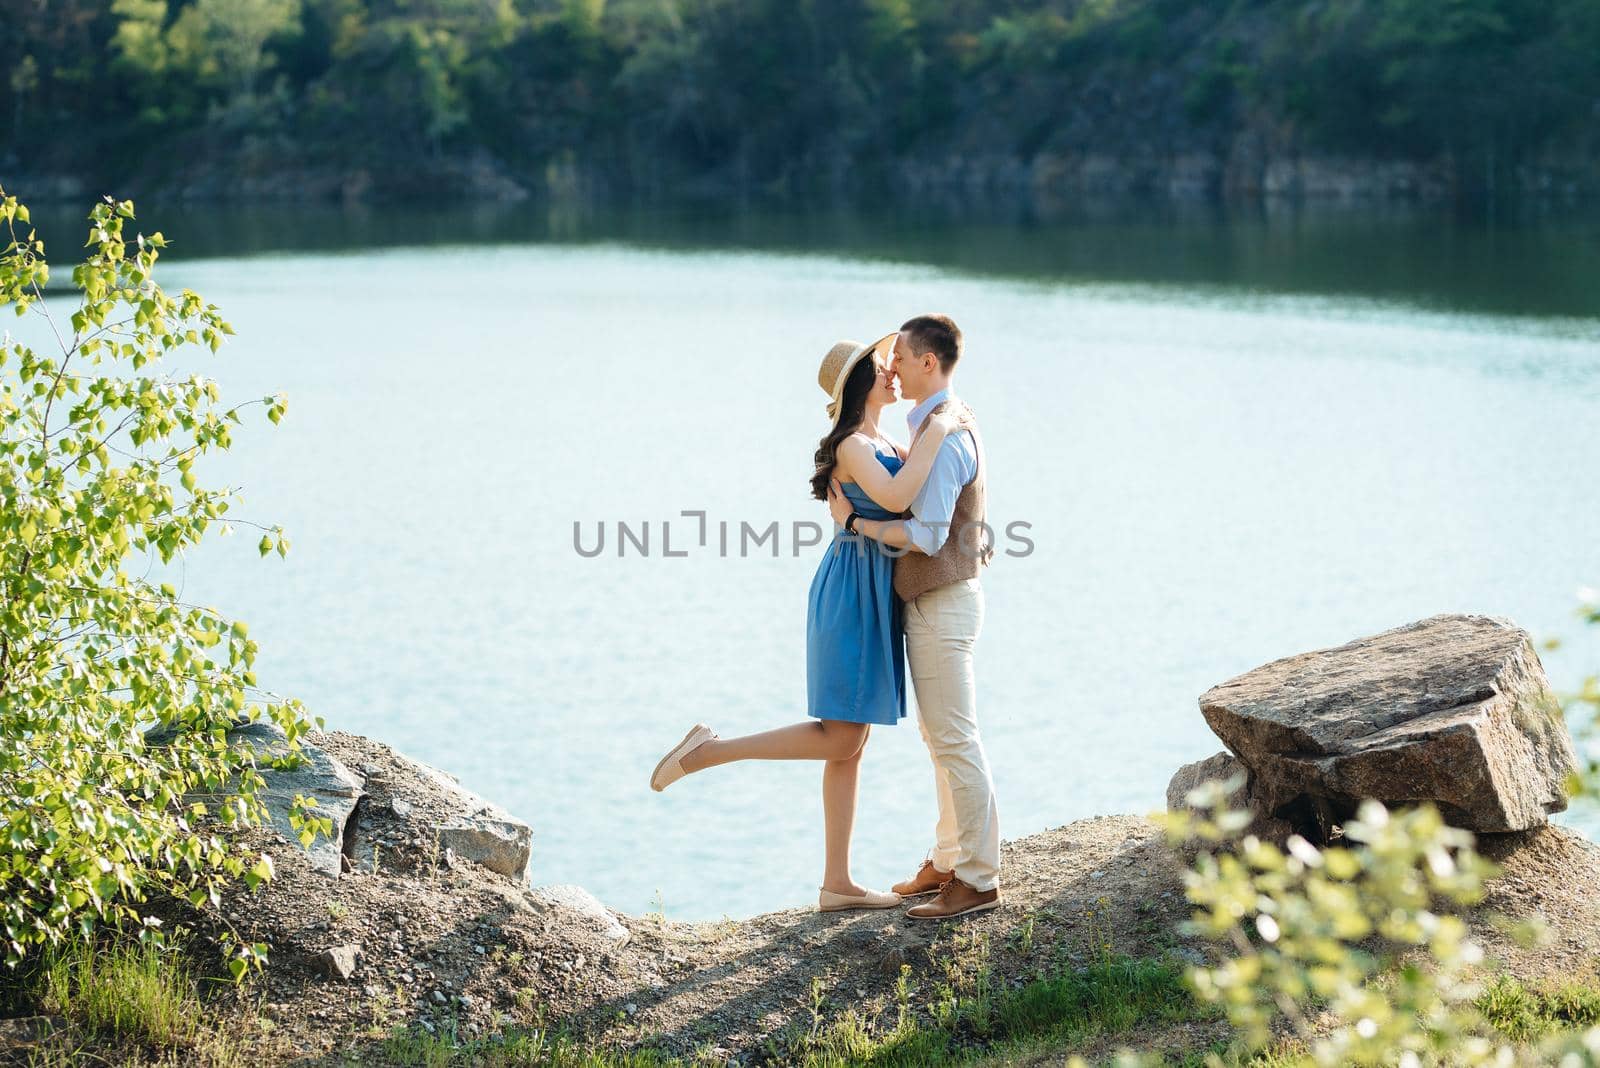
x: 259, y: 873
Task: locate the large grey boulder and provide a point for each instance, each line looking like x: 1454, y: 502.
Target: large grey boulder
x: 318, y: 775
x: 1454, y: 709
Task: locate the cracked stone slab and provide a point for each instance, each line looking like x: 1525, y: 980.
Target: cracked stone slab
x: 1453, y: 709
x: 319, y: 775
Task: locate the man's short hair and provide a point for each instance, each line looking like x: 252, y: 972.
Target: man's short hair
x: 937, y: 334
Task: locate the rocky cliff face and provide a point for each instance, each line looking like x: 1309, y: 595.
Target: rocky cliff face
x: 1246, y: 169
x: 1248, y: 166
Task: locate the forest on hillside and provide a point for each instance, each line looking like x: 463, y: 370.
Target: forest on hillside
x: 789, y: 94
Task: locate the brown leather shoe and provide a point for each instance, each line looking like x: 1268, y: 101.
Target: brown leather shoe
x: 955, y: 898
x: 926, y: 881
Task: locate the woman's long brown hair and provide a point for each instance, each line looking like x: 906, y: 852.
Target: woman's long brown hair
x: 852, y: 408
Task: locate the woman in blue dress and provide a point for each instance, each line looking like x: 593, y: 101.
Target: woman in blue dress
x: 855, y: 652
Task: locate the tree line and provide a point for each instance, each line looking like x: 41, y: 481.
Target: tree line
x: 790, y: 93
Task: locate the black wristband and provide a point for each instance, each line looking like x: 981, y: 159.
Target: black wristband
x: 850, y: 522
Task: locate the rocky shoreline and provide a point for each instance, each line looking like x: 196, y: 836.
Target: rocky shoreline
x: 420, y: 914
x: 429, y: 918
x: 421, y: 937
x: 411, y: 935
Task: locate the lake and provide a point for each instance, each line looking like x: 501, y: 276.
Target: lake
x: 1234, y: 435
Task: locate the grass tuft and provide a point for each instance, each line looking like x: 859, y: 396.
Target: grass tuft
x: 1110, y: 996
x: 414, y: 1047
x: 133, y: 992
x: 1525, y: 1013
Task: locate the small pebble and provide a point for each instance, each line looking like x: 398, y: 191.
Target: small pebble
x: 438, y: 997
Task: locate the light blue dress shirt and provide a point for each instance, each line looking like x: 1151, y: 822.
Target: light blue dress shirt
x: 954, y: 467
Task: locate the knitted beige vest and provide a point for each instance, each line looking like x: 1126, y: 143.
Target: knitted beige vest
x: 970, y: 544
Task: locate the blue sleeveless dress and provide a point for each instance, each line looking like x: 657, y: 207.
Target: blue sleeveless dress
x: 855, y: 644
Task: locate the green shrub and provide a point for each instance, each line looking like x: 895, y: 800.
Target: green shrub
x: 1352, y: 945
x: 97, y: 450
x: 1341, y: 929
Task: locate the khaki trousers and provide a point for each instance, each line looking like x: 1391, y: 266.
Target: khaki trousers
x: 941, y: 627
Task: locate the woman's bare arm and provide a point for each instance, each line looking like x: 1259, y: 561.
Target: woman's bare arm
x: 894, y: 493
x: 891, y: 532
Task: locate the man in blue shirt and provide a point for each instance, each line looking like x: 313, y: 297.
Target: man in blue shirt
x: 946, y: 541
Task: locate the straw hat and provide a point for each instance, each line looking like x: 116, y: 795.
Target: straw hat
x: 838, y: 363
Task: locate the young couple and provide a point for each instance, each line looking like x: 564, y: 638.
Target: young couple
x: 892, y: 587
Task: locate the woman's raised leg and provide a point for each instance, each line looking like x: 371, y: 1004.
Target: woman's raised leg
x: 817, y: 739
x: 839, y: 745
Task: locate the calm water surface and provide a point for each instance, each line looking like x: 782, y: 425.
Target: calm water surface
x: 1234, y: 438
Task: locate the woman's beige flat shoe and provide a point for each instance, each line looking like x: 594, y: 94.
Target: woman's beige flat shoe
x: 670, y: 770
x: 828, y: 901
